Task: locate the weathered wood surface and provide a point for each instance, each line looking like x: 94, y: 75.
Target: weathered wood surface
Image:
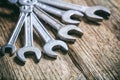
x: 94, y: 57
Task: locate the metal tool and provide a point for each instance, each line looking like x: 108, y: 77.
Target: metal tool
x: 63, y: 30
x: 50, y: 43
x: 10, y: 46
x: 65, y: 15
x: 63, y: 10
x: 94, y: 13
x: 29, y: 46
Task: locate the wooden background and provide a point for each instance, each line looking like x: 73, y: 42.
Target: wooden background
x: 96, y: 56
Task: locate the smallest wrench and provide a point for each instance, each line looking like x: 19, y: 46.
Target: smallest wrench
x: 10, y: 46
x: 65, y: 15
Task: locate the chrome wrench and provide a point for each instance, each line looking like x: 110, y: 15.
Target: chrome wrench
x: 93, y: 13
x: 65, y: 15
x: 10, y: 46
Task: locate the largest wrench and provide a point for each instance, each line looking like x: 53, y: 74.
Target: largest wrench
x: 94, y: 13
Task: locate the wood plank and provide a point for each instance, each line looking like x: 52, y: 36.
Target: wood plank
x: 99, y: 47
x: 95, y: 56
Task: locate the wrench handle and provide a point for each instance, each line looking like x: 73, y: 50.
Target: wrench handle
x: 49, y: 9
x: 48, y: 19
x: 17, y: 28
x: 41, y: 29
x: 29, y: 31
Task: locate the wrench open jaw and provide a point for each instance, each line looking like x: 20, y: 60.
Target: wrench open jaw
x: 8, y: 48
x: 52, y: 45
x: 66, y: 33
x: 66, y: 17
x: 97, y: 13
x: 28, y: 50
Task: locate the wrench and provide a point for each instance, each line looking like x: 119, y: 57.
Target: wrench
x: 65, y: 15
x: 50, y: 43
x: 94, y: 13
x: 63, y: 30
x: 10, y: 46
x: 28, y: 47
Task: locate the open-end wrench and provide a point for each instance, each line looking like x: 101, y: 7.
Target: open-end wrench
x: 28, y: 47
x: 50, y: 43
x: 63, y: 30
x: 10, y: 46
x: 94, y: 13
x: 65, y: 15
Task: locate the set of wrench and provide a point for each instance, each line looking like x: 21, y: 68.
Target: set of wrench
x: 31, y: 14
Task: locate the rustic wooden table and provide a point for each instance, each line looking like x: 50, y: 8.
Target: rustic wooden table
x: 96, y: 56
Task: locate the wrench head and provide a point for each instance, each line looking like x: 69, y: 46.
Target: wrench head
x: 66, y: 17
x: 64, y: 33
x: 8, y: 48
x: 97, y: 13
x: 49, y: 48
x: 22, y: 51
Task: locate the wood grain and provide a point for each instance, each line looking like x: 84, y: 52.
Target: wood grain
x: 96, y: 56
